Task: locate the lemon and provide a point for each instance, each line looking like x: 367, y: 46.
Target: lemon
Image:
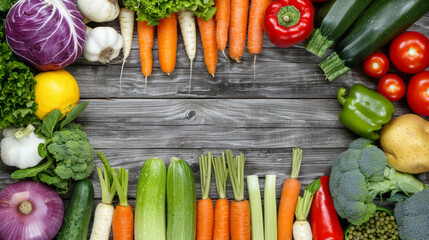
x: 55, y: 90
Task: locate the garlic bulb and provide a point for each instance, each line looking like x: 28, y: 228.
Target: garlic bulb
x: 19, y: 147
x: 99, y: 10
x: 102, y: 44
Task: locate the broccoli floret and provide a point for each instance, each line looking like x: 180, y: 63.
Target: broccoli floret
x: 361, y: 173
x: 73, y: 153
x: 412, y: 217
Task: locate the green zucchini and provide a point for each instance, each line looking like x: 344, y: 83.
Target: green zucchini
x: 181, y: 201
x: 150, y: 201
x: 76, y: 220
x: 381, y: 22
x: 336, y: 17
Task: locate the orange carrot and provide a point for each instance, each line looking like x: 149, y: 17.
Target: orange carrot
x: 222, y: 16
x: 167, y: 43
x: 123, y: 219
x: 256, y: 28
x: 122, y: 224
x: 205, y: 205
x: 289, y: 198
x: 240, y: 220
x: 208, y: 39
x: 205, y: 219
x: 146, y: 35
x: 238, y: 28
x: 221, y: 215
x: 240, y: 207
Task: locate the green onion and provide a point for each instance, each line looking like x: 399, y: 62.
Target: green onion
x: 257, y: 221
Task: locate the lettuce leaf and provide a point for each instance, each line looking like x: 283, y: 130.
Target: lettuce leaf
x: 152, y: 11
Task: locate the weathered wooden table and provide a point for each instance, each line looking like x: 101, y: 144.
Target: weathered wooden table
x: 289, y: 103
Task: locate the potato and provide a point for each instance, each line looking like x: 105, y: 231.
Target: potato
x: 405, y: 141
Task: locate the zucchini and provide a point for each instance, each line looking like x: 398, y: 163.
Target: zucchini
x: 336, y: 17
x: 150, y: 201
x: 381, y: 22
x: 181, y: 201
x: 76, y: 221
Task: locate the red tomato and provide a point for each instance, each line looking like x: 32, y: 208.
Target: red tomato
x: 392, y: 87
x: 409, y: 52
x: 418, y: 93
x: 376, y: 65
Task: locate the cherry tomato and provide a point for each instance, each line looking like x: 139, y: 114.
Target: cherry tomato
x: 409, y: 52
x: 392, y: 87
x: 418, y: 93
x: 376, y: 65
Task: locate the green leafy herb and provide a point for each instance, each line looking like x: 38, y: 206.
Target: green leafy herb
x: 50, y: 122
x: 76, y: 111
x: 152, y: 11
x: 31, y: 172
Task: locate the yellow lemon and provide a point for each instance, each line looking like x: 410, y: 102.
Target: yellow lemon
x: 55, y: 90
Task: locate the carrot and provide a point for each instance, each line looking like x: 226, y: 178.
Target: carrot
x: 146, y: 35
x: 222, y: 24
x: 221, y: 215
x: 256, y: 28
x: 205, y: 205
x: 122, y: 224
x: 167, y: 43
x: 289, y: 198
x: 208, y: 39
x: 126, y: 21
x: 238, y: 28
x: 240, y: 207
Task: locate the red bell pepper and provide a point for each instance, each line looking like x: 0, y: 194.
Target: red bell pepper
x: 288, y: 22
x: 324, y: 220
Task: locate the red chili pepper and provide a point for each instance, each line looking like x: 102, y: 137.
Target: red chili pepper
x: 288, y: 22
x: 324, y: 220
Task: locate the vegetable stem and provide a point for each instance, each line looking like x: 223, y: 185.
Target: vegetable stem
x: 121, y: 182
x: 270, y: 212
x: 205, y: 174
x: 257, y: 221
x: 304, y: 203
x: 236, y: 170
x: 317, y: 43
x: 221, y: 175
x: 296, y: 162
x: 333, y: 67
x: 23, y: 133
x: 108, y: 188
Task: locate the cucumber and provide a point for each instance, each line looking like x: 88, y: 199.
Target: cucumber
x: 336, y: 17
x: 150, y: 201
x: 381, y: 22
x: 181, y: 201
x: 78, y: 215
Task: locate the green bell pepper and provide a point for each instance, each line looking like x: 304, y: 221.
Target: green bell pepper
x: 364, y: 111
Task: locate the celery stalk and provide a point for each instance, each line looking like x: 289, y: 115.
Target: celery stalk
x: 255, y: 207
x: 270, y: 208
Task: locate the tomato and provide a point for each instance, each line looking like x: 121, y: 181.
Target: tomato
x: 409, y: 52
x: 418, y: 93
x: 392, y: 87
x: 376, y: 65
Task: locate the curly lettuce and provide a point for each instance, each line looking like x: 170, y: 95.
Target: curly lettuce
x: 152, y: 11
x: 17, y: 93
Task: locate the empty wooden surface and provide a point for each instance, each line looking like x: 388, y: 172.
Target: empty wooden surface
x: 288, y: 103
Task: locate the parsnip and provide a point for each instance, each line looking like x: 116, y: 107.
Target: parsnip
x: 102, y: 222
x: 189, y: 33
x: 126, y: 22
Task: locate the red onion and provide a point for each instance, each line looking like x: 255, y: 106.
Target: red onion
x: 30, y: 211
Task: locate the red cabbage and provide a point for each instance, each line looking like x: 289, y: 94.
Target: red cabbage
x: 49, y: 34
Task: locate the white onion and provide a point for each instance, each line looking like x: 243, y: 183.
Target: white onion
x: 30, y: 211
